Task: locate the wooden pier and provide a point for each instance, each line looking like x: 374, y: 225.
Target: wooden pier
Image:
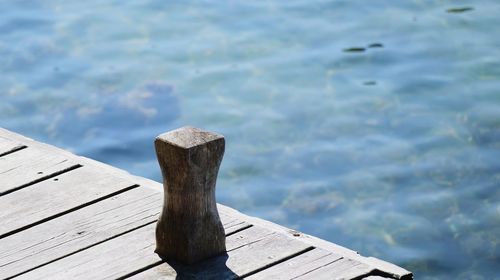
x: 64, y: 216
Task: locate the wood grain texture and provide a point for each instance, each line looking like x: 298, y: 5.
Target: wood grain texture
x: 298, y: 265
x: 391, y: 269
x: 189, y: 228
x: 108, y: 260
x: 257, y: 255
x: 376, y: 278
x: 164, y: 271
x: 73, y: 189
x: 248, y: 251
x: 340, y: 269
x: 231, y: 225
x: 77, y: 230
x: 354, y: 272
x: 8, y: 146
x: 104, y: 168
x: 30, y: 165
x: 247, y: 236
x: 116, y: 257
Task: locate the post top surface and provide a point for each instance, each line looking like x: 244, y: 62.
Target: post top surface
x: 188, y: 137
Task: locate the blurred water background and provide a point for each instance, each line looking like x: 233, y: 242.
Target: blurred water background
x: 372, y: 124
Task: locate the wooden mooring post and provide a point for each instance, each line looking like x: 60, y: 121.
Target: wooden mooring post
x: 189, y: 229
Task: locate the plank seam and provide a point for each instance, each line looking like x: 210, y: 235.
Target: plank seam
x: 67, y: 211
x: 276, y: 262
x: 238, y: 230
x: 377, y: 272
x: 82, y: 249
x: 253, y: 242
x: 13, y: 150
x: 128, y: 275
x: 41, y: 179
x: 319, y: 267
x: 149, y: 266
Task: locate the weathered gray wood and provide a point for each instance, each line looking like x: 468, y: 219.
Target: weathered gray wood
x: 250, y: 253
x: 103, y: 168
x: 340, y: 269
x: 31, y: 205
x: 388, y: 268
x: 108, y: 260
x: 316, y: 264
x: 30, y: 165
x: 298, y: 266
x: 189, y: 228
x: 356, y: 271
x: 83, y: 228
x: 231, y: 226
x: 165, y: 272
x: 134, y: 250
x: 247, y: 236
x: 230, y: 223
x: 256, y: 255
x: 314, y: 241
x: 376, y: 278
x: 8, y: 146
x: 76, y: 230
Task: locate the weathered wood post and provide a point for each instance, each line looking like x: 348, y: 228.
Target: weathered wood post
x: 189, y: 228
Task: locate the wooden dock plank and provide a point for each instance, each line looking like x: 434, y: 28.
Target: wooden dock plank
x: 252, y: 257
x: 102, y: 167
x: 30, y: 165
x: 298, y: 266
x: 83, y: 228
x: 245, y: 237
x: 383, y: 266
x: 164, y: 271
x: 375, y: 277
x: 131, y: 252
x: 108, y: 260
x: 233, y: 228
x: 251, y: 254
x: 340, y: 269
x: 357, y: 271
x: 77, y: 230
x: 8, y: 146
x: 391, y: 269
x: 47, y: 199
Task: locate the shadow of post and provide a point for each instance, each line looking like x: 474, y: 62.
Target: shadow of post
x: 213, y: 268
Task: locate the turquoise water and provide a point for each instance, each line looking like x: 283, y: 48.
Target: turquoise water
x: 372, y: 124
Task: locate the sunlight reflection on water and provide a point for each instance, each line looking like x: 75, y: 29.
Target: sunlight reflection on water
x: 375, y: 126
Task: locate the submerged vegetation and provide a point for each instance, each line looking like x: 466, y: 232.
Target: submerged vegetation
x: 459, y: 10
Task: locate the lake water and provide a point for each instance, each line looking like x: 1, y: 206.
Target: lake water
x: 372, y: 124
